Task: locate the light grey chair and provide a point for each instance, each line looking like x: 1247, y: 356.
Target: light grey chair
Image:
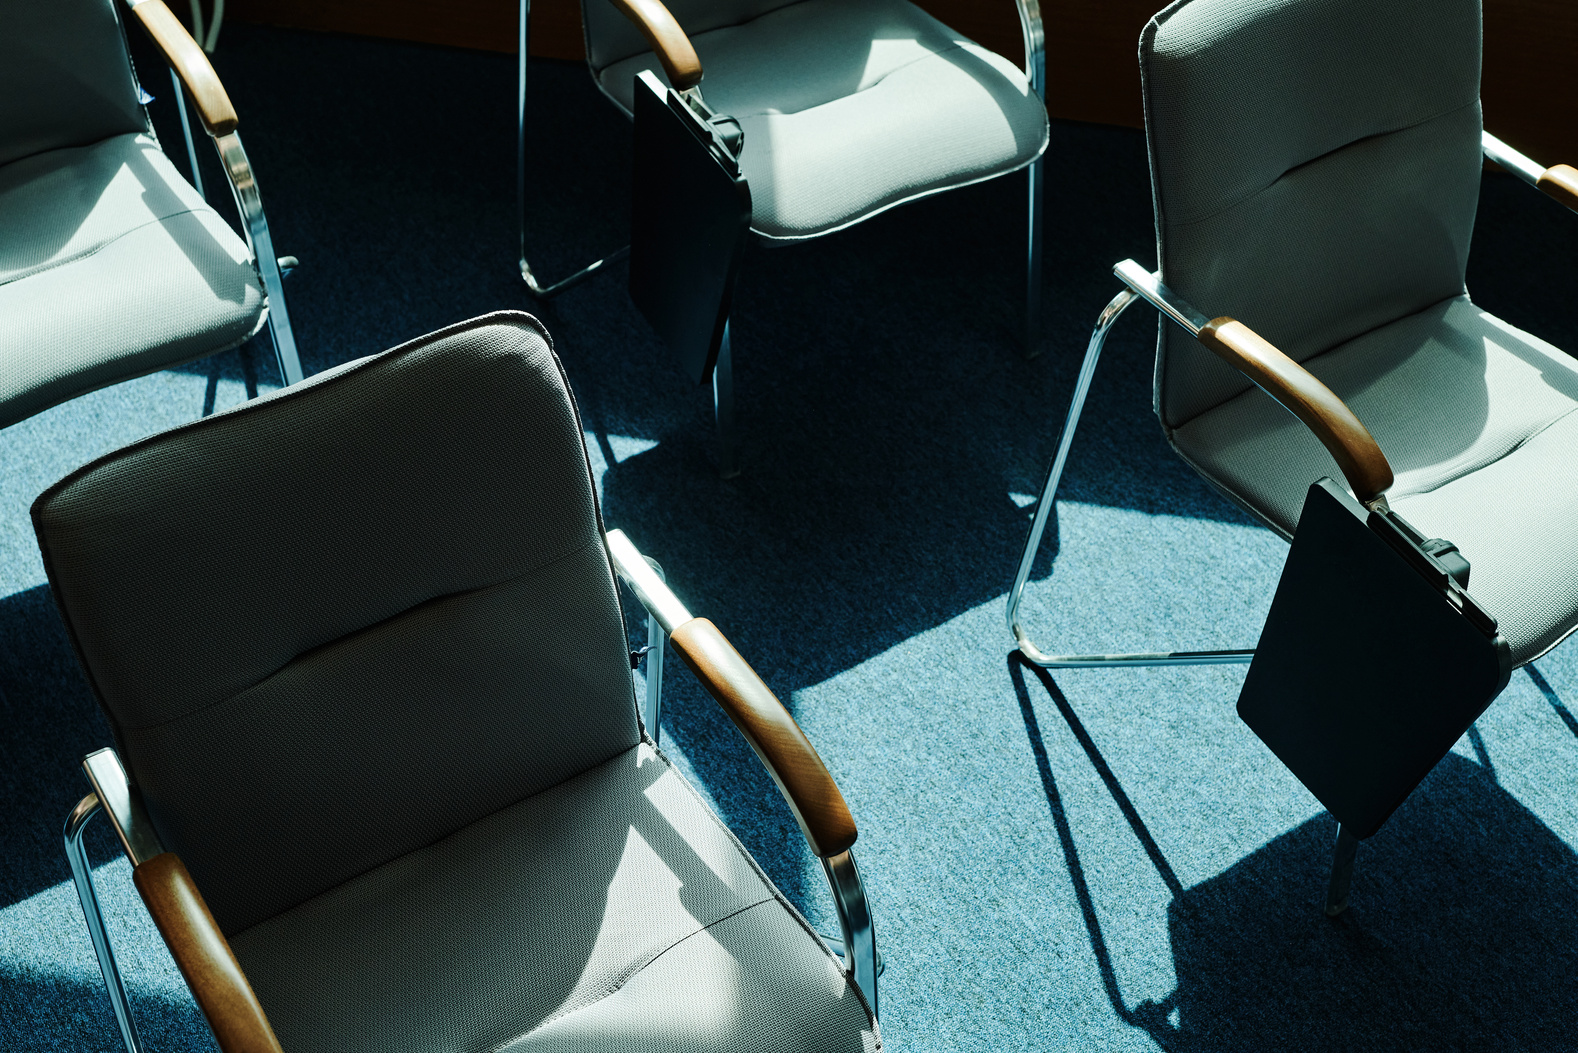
x: 1316, y: 169
x: 379, y: 766
x: 111, y: 264
x: 849, y: 108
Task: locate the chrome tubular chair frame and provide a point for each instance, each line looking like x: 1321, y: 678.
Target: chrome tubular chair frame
x: 254, y: 225
x: 82, y: 877
x: 657, y: 642
x: 113, y: 794
x: 538, y: 289
x: 858, y: 946
x: 249, y: 203
x: 1523, y: 167
x: 1036, y: 72
x: 1141, y: 285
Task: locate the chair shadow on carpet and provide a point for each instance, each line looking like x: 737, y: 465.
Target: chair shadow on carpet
x: 1461, y: 934
x: 50, y: 721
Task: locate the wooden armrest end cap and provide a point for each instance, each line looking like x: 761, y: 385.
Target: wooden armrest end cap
x: 1561, y: 183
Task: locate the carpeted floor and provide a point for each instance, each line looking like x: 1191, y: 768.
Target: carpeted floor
x: 1100, y: 860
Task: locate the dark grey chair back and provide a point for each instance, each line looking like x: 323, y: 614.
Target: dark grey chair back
x: 337, y: 624
x: 610, y: 36
x: 65, y: 77
x: 1315, y: 167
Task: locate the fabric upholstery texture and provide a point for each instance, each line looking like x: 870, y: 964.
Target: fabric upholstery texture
x: 65, y: 77
x: 284, y: 609
x: 849, y: 107
x: 610, y: 912
x: 1315, y: 166
x: 111, y: 266
x: 1478, y: 421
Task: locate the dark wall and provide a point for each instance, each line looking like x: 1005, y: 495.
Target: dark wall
x: 1091, y: 68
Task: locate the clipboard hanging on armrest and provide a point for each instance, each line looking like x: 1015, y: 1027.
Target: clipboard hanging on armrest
x: 690, y: 215
x: 1374, y: 659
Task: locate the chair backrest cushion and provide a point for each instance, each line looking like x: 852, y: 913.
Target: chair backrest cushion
x: 1315, y: 166
x: 610, y: 36
x: 65, y: 77
x: 341, y: 622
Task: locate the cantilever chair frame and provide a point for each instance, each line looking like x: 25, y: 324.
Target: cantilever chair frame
x: 189, y: 66
x: 1350, y: 443
x: 204, y: 957
x: 678, y: 58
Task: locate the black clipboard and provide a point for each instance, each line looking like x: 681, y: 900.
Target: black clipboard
x: 690, y: 215
x: 1374, y: 659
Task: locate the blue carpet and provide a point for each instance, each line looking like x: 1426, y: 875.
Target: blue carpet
x: 1100, y: 860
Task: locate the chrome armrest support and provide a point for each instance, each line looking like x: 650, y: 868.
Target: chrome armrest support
x: 854, y: 921
x: 87, y: 895
x: 1520, y: 165
x: 1160, y: 297
x: 113, y: 794
x: 1559, y: 181
x: 123, y: 805
x: 1035, y: 46
x: 651, y: 584
x: 249, y: 203
x: 651, y: 590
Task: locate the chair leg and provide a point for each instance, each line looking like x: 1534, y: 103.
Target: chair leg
x: 1342, y: 858
x: 1038, y: 524
x: 723, y: 407
x: 537, y: 288
x: 82, y: 877
x: 1033, y: 345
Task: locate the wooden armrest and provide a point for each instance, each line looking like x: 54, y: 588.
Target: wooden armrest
x: 801, y: 776
x: 1561, y: 183
x: 1334, y: 424
x: 668, y: 40
x: 188, y: 60
x: 203, y: 954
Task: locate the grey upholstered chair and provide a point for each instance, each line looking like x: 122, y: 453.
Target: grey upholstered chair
x: 849, y: 107
x: 1316, y: 170
x: 378, y: 764
x: 111, y: 264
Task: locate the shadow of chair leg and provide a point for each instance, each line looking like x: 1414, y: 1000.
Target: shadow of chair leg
x: 1150, y: 1016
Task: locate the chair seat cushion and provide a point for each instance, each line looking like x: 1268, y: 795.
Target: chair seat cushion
x: 1478, y: 421
x: 850, y: 107
x: 111, y: 266
x: 613, y: 911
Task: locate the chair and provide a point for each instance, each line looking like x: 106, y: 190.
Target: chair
x: 1316, y: 169
x: 849, y: 108
x: 111, y: 265
x: 379, y: 766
